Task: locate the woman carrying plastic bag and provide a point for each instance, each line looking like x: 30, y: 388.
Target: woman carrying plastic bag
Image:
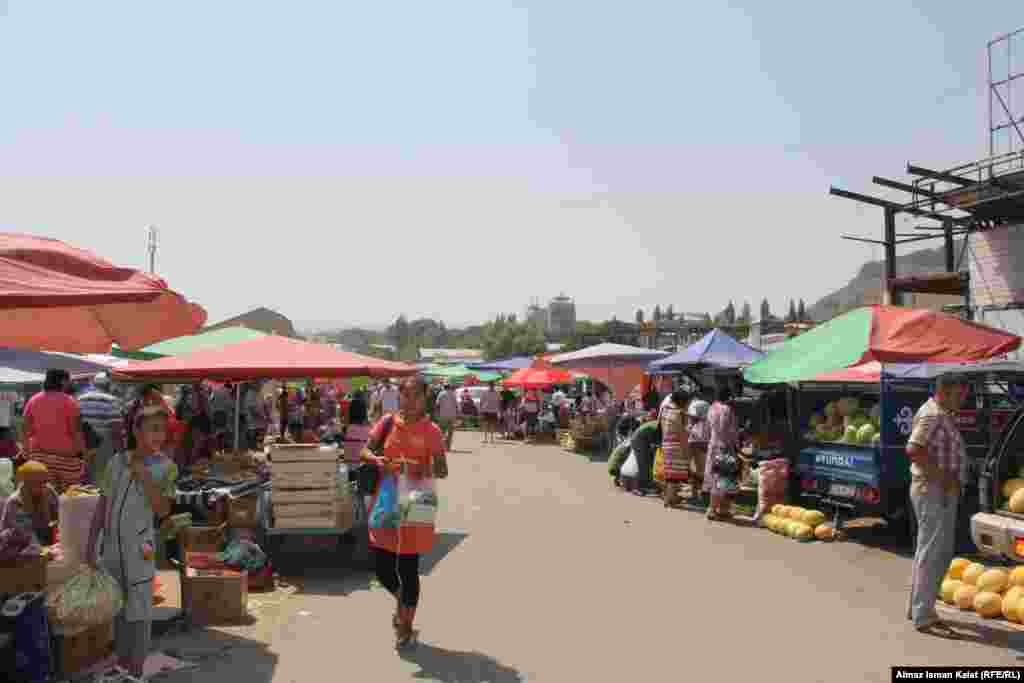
x: 409, y: 449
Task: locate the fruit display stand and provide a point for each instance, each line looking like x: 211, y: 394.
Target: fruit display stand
x: 993, y: 594
x: 852, y: 457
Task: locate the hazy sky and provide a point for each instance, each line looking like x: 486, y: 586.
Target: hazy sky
x: 347, y: 162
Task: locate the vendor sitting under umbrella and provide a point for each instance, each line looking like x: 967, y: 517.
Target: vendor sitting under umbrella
x: 33, y: 507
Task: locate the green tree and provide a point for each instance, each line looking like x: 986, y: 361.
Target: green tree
x: 657, y: 313
x: 507, y: 337
x: 801, y: 312
x: 766, y: 310
x: 640, y: 316
x: 670, y: 313
x: 729, y: 314
x: 791, y: 316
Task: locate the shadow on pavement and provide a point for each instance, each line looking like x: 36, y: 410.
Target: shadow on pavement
x: 444, y: 543
x: 875, y: 533
x: 332, y: 582
x: 217, y: 656
x: 452, y: 666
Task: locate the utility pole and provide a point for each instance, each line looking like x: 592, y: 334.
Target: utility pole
x: 151, y: 247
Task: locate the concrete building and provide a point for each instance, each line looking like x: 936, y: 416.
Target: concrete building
x: 561, y: 322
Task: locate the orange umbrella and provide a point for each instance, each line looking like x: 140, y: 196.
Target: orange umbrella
x: 57, y: 297
x: 540, y: 375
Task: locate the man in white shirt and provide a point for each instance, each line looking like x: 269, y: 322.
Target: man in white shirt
x: 446, y: 409
x: 389, y: 397
x: 490, y: 407
x: 558, y: 398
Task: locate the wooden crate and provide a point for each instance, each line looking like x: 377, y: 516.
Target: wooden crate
x: 304, y: 453
x: 285, y: 510
x: 317, y: 495
x: 305, y: 523
x: 303, y: 475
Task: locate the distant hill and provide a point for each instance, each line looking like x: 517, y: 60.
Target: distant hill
x: 869, y: 280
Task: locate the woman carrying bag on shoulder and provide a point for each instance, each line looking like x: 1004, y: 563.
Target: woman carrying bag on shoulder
x: 409, y: 452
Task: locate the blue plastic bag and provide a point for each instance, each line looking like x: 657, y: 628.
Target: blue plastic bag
x: 386, y: 514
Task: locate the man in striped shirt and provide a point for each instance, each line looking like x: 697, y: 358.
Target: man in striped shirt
x: 104, y: 412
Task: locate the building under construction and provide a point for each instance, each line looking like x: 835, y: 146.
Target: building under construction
x: 981, y: 201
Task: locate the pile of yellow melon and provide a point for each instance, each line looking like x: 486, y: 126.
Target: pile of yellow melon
x: 989, y: 592
x: 799, y: 523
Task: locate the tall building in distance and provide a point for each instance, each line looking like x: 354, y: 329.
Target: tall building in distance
x: 557, y: 319
x: 561, y: 317
x: 537, y: 314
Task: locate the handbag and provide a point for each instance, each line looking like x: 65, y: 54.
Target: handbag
x: 726, y: 464
x: 368, y: 474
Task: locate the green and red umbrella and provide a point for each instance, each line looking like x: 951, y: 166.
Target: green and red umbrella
x: 879, y: 334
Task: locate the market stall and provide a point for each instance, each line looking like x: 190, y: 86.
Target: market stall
x: 540, y: 375
x: 618, y: 366
x: 849, y: 418
x: 310, y: 492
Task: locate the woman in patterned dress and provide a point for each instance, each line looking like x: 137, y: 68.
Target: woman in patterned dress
x: 675, y: 446
x: 722, y: 459
x: 699, y: 432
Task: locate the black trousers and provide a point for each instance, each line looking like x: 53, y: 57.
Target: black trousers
x: 400, y: 575
x: 645, y: 451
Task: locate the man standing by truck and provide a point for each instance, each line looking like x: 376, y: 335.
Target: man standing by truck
x: 937, y: 453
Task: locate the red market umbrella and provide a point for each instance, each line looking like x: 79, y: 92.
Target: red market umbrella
x: 540, y: 375
x: 883, y: 334
x: 57, y: 297
x: 269, y: 357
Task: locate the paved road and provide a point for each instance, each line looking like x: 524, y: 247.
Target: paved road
x: 546, y: 573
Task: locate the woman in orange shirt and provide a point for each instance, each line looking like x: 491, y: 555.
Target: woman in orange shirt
x: 413, y: 446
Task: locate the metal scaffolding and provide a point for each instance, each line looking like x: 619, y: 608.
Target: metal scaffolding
x: 976, y: 196
x: 1005, y: 119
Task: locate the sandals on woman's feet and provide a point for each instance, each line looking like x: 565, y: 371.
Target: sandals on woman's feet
x: 405, y: 636
x: 940, y: 629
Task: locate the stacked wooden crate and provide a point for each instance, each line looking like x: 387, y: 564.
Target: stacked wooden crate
x: 305, y: 486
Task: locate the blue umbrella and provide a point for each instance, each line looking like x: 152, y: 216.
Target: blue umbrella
x: 716, y: 349
x: 506, y: 365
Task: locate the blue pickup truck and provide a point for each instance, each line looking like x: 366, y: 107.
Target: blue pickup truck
x: 857, y: 479
x: 872, y: 480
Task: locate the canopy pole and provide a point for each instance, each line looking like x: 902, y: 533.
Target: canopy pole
x: 238, y: 412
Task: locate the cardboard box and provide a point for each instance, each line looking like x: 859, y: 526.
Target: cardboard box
x: 214, y: 596
x: 24, y: 575
x: 243, y: 513
x: 303, y: 475
x: 201, y: 539
x: 79, y: 651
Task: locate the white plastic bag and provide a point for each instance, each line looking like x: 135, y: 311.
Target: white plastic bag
x: 417, y: 500
x: 631, y: 468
